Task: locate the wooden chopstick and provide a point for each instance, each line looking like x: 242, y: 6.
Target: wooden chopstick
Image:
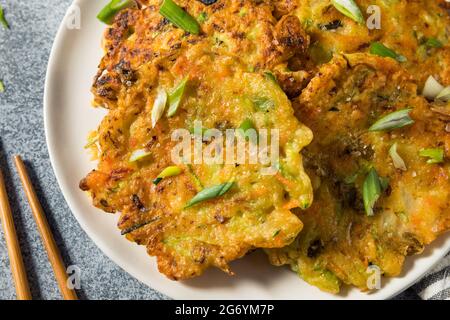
x: 12, y: 243
x: 45, y: 232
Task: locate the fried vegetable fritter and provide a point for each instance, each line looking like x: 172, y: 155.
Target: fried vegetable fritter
x: 245, y: 30
x: 339, y: 240
x: 405, y: 27
x: 146, y: 54
x: 249, y: 59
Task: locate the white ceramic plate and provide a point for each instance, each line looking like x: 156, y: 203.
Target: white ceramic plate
x: 68, y: 119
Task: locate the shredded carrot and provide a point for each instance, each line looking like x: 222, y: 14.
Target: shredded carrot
x: 285, y: 181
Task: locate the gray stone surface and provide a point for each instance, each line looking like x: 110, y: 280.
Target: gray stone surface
x: 24, y: 51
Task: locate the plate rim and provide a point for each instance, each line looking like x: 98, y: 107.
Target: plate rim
x: 115, y: 258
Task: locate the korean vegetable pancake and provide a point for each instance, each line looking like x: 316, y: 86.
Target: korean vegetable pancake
x: 199, y: 215
x: 340, y: 238
x: 410, y: 28
x: 245, y: 30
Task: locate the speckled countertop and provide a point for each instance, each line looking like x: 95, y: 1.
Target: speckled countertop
x: 24, y: 52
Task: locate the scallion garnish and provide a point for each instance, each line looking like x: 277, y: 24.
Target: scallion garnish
x: 432, y: 88
x: 175, y: 97
x: 435, y: 155
x: 157, y: 181
x: 444, y: 95
x: 396, y: 159
x: 175, y: 14
x: 380, y: 49
x: 167, y: 172
x: 158, y: 106
x: 210, y: 193
x: 108, y: 13
x: 433, y: 43
x: 350, y: 9
x: 138, y: 155
x: 372, y: 190
x: 394, y: 120
x: 3, y: 19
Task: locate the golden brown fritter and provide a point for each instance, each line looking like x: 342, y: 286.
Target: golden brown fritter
x: 222, y: 93
x: 405, y: 27
x: 339, y: 241
x: 243, y: 29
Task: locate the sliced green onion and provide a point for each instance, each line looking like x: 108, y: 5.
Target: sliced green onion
x: 175, y: 14
x: 138, y: 155
x: 432, y: 88
x: 167, y: 172
x: 210, y: 193
x: 175, y: 97
x: 394, y: 120
x: 371, y: 191
x: 350, y: 9
x: 3, y: 19
x: 435, y: 155
x: 444, y: 95
x: 396, y: 159
x: 2, y: 86
x: 159, y: 105
x: 108, y: 13
x: 433, y: 43
x: 380, y: 49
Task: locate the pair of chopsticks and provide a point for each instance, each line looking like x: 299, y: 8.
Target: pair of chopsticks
x: 15, y: 256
